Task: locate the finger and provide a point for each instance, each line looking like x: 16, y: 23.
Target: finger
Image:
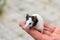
x: 46, y: 29
x: 21, y: 24
x: 50, y: 28
x: 47, y: 33
x: 46, y: 25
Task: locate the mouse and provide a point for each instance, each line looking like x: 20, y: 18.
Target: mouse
x: 34, y: 21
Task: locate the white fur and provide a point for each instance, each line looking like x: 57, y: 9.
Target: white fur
x: 40, y: 24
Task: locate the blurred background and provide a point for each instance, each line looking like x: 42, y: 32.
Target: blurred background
x: 13, y: 11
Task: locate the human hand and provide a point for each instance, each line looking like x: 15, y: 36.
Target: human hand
x: 50, y: 32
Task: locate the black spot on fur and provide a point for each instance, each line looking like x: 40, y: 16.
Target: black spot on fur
x: 35, y: 21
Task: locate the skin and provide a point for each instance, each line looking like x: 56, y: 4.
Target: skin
x: 50, y: 32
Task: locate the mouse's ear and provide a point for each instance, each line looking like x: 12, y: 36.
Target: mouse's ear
x: 27, y: 16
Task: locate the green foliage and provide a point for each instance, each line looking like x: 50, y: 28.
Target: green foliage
x: 2, y: 4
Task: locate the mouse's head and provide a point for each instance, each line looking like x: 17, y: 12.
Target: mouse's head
x: 31, y: 21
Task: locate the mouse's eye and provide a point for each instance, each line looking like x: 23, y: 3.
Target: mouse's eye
x: 29, y: 23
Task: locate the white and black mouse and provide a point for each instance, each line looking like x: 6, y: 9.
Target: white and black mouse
x: 34, y: 21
